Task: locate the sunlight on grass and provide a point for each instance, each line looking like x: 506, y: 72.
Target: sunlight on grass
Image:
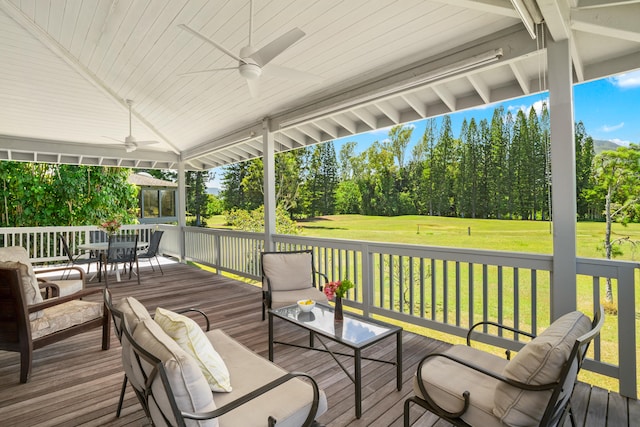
x: 504, y: 235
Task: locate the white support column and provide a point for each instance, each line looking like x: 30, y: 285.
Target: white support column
x: 182, y: 208
x: 268, y: 161
x: 563, y: 181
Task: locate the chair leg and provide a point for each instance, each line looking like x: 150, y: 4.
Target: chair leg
x: 159, y: 266
x: 137, y: 270
x: 25, y: 364
x: 407, y: 422
x: 124, y: 387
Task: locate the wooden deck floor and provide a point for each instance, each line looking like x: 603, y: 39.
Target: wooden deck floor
x: 74, y: 383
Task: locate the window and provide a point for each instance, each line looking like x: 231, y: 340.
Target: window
x: 150, y: 203
x: 168, y: 202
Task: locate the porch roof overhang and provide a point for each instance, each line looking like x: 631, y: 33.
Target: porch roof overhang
x: 68, y: 67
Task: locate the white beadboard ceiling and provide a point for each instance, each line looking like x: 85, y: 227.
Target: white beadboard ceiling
x: 67, y: 67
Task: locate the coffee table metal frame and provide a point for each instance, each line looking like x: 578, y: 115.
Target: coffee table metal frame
x: 332, y: 331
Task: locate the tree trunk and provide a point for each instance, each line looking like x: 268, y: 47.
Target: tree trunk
x: 607, y: 240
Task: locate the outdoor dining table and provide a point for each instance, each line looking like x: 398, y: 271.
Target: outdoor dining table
x: 103, y: 247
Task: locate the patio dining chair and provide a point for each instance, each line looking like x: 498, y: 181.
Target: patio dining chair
x: 288, y: 277
x: 122, y: 249
x: 152, y: 250
x: 471, y: 387
x: 78, y: 259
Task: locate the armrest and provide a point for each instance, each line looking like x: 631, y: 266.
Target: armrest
x: 465, y: 395
x: 260, y: 391
x: 499, y: 326
x: 326, y: 278
x: 61, y: 300
x: 187, y: 310
x: 55, y: 289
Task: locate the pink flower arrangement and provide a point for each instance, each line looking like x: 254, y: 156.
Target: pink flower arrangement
x: 337, y: 289
x: 111, y: 227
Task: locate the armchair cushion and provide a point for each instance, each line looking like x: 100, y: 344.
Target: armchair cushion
x: 282, y: 299
x: 288, y: 271
x: 538, y: 362
x: 192, y: 339
x: 133, y: 312
x: 64, y: 316
x: 446, y: 380
x: 17, y: 257
x: 190, y: 388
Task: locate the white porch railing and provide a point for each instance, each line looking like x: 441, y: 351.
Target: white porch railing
x: 443, y: 289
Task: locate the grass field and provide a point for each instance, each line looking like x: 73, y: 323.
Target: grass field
x: 517, y: 236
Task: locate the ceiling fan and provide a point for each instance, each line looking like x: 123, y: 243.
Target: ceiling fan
x: 130, y: 142
x: 252, y: 63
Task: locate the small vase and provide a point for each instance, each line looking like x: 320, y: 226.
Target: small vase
x: 337, y: 312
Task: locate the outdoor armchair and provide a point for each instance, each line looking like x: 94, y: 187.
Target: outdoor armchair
x: 288, y: 277
x: 28, y: 322
x: 168, y: 361
x: 470, y: 387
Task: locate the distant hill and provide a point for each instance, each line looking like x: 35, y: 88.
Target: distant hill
x: 213, y: 190
x: 601, y: 145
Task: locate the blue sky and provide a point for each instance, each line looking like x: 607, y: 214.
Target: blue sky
x: 609, y: 109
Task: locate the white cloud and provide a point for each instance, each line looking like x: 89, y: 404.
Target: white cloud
x: 620, y: 142
x: 537, y: 106
x: 626, y: 80
x: 607, y: 128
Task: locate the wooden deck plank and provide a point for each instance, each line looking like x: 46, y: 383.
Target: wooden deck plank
x: 75, y: 383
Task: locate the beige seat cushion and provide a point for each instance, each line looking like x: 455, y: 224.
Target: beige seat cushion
x: 282, y: 299
x: 69, y: 286
x: 288, y: 271
x: 446, y: 380
x: 189, y: 387
x: 289, y: 404
x: 538, y: 362
x: 190, y: 337
x: 17, y: 257
x: 64, y: 316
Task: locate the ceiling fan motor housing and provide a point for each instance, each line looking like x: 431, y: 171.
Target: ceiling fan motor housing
x: 250, y: 71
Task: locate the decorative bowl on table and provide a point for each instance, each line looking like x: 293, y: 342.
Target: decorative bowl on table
x: 306, y: 305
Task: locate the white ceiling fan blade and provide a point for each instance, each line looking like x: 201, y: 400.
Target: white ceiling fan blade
x: 114, y: 139
x: 143, y: 143
x: 211, y: 70
x: 208, y: 40
x: 254, y: 88
x: 279, y: 72
x: 276, y: 47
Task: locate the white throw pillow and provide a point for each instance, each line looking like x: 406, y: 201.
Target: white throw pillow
x: 193, y: 340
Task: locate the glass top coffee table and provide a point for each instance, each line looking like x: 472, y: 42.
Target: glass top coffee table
x: 355, y: 332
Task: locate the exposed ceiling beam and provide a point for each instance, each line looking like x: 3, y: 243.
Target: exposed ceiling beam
x: 604, y: 3
x: 557, y: 17
x: 621, y: 22
x: 446, y: 96
x: 43, y: 37
x: 521, y: 77
x: 415, y: 103
x: 481, y: 88
x: 389, y: 111
x: 498, y: 7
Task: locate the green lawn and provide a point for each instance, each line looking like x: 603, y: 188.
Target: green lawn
x: 507, y: 235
